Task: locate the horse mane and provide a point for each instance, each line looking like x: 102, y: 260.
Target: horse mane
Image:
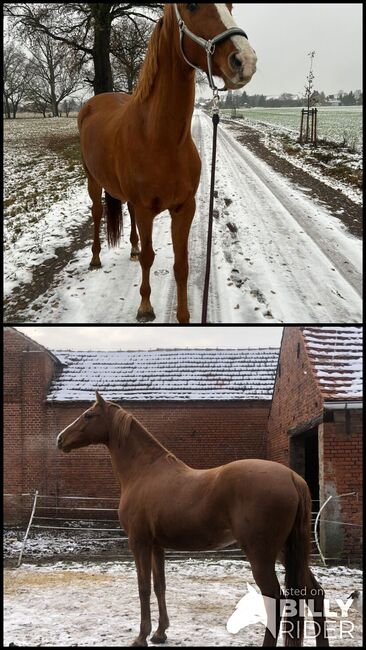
x: 122, y: 421
x: 149, y: 68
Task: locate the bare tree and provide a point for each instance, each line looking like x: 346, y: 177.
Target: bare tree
x: 55, y: 71
x: 309, y: 92
x: 128, y: 47
x: 85, y: 28
x: 16, y: 76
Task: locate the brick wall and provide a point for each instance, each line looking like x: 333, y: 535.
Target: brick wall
x: 28, y: 369
x: 341, y: 473
x: 202, y: 435
x: 296, y: 397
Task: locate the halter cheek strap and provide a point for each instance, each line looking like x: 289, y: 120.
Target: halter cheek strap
x: 208, y: 45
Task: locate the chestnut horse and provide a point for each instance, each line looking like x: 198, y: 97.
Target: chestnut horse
x: 264, y: 506
x: 139, y: 147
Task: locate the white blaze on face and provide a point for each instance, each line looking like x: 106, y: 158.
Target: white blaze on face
x: 66, y: 428
x: 245, y: 52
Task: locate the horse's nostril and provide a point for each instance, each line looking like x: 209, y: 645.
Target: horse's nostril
x: 235, y: 62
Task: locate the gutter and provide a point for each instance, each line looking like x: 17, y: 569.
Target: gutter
x: 337, y: 406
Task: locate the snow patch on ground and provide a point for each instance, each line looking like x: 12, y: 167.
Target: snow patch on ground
x: 97, y: 604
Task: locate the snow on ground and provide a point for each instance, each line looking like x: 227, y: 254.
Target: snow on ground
x: 91, y: 604
x: 270, y: 133
x: 277, y: 255
x: 41, y: 213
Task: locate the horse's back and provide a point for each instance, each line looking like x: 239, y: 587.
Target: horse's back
x: 102, y: 105
x: 258, y: 474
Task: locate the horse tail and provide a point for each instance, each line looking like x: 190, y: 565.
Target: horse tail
x: 113, y: 210
x: 297, y: 554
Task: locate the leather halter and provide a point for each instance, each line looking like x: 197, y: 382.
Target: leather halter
x: 208, y: 45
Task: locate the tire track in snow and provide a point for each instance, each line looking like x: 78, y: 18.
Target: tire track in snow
x: 288, y: 252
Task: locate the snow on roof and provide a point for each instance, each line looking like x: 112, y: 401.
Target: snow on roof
x: 336, y: 356
x: 186, y: 374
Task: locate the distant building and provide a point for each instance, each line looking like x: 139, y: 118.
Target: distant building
x: 333, y: 100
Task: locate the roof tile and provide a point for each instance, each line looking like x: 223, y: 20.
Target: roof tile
x: 336, y: 356
x: 186, y: 374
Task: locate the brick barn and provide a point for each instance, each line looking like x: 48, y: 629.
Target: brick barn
x: 315, y: 426
x: 208, y: 406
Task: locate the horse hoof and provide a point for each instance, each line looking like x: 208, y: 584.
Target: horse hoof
x: 145, y: 316
x: 139, y: 643
x: 135, y: 257
x: 95, y: 265
x: 158, y: 638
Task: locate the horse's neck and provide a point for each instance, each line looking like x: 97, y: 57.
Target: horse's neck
x: 171, y: 101
x: 135, y: 453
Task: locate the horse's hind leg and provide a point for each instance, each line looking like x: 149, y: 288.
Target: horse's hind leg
x: 95, y: 193
x: 159, y: 588
x: 265, y: 576
x: 315, y: 594
x: 134, y: 238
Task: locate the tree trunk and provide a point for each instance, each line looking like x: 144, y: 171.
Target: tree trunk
x: 54, y: 103
x: 129, y: 82
x: 7, y: 108
x: 103, y: 80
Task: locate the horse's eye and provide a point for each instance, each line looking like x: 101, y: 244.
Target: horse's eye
x: 87, y: 416
x: 192, y: 6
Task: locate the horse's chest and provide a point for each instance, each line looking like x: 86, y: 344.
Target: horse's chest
x: 161, y: 182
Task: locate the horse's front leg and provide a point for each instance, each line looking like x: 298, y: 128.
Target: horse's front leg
x: 181, y: 224
x: 158, y: 562
x: 142, y: 555
x: 144, y: 221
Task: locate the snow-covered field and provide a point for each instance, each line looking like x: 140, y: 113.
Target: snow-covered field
x: 335, y: 123
x: 91, y: 604
x: 278, y: 256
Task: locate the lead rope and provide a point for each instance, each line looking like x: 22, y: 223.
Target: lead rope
x: 215, y: 121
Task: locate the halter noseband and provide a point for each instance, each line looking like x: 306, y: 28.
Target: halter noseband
x: 208, y: 45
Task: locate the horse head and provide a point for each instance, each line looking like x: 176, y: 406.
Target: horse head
x: 91, y: 428
x: 212, y: 41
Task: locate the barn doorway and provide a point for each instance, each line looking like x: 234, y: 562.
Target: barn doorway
x: 304, y: 459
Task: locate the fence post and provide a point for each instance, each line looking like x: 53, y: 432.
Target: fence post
x: 27, y: 531
x: 315, y: 129
x: 302, y: 124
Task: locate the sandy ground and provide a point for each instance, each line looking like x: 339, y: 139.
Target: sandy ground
x: 279, y: 253
x: 65, y: 604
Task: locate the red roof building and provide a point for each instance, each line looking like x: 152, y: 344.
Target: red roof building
x: 315, y: 427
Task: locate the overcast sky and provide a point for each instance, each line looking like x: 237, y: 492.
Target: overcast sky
x: 283, y: 34
x: 145, y: 337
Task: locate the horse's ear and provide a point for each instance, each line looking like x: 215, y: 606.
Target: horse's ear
x: 100, y: 399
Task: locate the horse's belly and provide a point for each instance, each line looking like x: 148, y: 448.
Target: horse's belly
x: 194, y: 540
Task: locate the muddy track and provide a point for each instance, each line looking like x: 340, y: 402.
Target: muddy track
x: 348, y: 212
